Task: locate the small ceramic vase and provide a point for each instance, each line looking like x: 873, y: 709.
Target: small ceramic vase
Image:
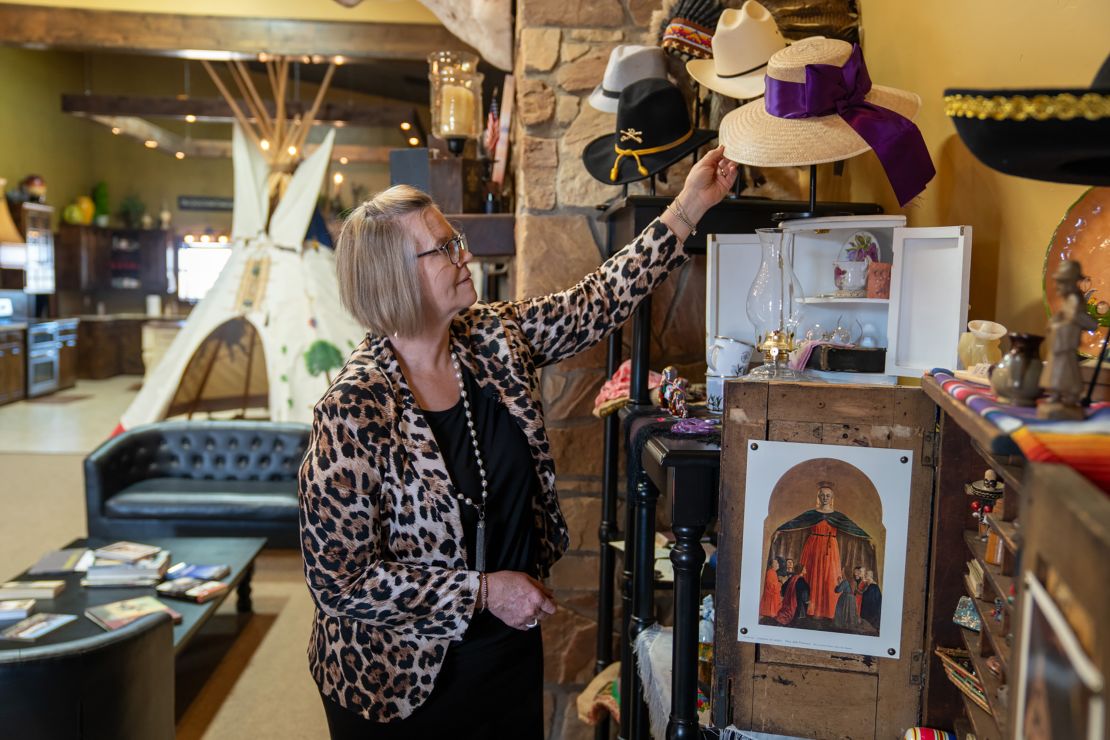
x: 1016, y: 377
x: 980, y: 343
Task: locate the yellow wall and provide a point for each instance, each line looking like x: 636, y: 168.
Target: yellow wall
x: 929, y: 46
x: 394, y: 11
x: 35, y: 137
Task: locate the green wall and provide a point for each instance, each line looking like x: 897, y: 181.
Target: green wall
x: 74, y: 154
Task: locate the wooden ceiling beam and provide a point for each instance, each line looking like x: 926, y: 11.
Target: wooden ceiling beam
x: 216, y: 37
x: 217, y: 110
x: 170, y: 143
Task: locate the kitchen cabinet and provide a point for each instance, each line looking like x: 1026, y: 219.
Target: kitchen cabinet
x: 91, y: 258
x: 67, y: 353
x: 30, y: 266
x: 109, y: 346
x: 13, y: 365
x: 82, y: 258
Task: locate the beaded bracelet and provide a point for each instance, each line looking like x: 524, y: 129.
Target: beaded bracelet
x: 679, y: 211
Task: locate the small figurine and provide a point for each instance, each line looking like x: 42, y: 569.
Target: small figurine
x: 984, y: 495
x: 673, y: 392
x: 1061, y: 378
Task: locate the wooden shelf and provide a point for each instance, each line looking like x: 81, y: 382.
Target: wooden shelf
x: 1011, y: 468
x: 1008, y: 531
x: 993, y: 573
x: 988, y: 680
x: 832, y: 299
x: 982, y: 723
x: 994, y: 443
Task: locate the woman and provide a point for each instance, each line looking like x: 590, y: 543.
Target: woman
x: 428, y: 505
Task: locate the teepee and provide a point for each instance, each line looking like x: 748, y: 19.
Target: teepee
x: 271, y: 332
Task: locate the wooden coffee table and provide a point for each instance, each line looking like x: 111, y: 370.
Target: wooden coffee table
x: 237, y: 552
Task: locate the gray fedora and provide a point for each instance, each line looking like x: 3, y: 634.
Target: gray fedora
x: 627, y: 64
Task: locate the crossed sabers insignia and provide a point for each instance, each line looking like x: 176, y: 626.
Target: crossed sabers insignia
x: 631, y: 133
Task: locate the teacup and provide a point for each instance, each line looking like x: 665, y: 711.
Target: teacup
x: 850, y: 275
x: 728, y: 357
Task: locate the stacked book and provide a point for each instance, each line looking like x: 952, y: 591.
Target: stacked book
x: 973, y: 579
x: 124, y: 564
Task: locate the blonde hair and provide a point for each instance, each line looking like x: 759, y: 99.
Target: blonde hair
x: 378, y: 281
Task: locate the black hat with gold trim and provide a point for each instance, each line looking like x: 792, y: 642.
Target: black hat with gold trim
x: 653, y: 132
x: 1058, y: 135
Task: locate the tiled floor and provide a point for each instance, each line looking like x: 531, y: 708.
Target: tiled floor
x: 77, y: 427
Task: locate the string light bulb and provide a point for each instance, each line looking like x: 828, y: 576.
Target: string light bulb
x: 405, y: 125
x: 204, y: 238
x: 265, y: 144
x: 292, y: 151
x: 179, y: 155
x: 150, y: 144
x: 339, y: 60
x: 344, y: 160
x: 189, y: 238
x: 222, y: 239
x: 413, y: 141
x: 115, y: 130
x: 190, y: 118
x: 337, y: 178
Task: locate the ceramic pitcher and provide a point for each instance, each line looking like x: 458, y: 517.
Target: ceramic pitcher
x: 1016, y: 377
x: 980, y: 343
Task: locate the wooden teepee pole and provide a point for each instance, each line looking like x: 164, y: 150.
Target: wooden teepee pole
x: 255, y: 106
x: 235, y: 110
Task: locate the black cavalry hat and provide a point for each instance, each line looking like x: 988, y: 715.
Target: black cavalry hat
x: 653, y: 132
x: 1058, y: 135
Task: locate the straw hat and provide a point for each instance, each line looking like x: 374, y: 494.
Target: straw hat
x: 753, y: 136
x: 744, y: 41
x: 627, y: 64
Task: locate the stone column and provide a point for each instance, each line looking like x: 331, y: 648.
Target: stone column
x: 562, y: 47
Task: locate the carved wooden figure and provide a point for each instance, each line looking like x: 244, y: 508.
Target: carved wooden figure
x: 1061, y: 378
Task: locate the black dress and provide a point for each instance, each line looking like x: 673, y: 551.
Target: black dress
x: 491, y: 683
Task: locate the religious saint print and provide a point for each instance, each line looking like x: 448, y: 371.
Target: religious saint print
x: 830, y: 525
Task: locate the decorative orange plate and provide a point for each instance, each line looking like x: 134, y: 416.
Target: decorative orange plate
x: 1084, y: 235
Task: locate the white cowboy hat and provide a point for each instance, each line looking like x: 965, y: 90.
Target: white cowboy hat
x: 753, y: 136
x: 627, y: 64
x: 744, y: 41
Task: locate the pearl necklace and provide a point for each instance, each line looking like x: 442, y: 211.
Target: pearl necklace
x: 480, y: 548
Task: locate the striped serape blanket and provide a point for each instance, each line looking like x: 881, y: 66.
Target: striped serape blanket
x: 1083, y: 445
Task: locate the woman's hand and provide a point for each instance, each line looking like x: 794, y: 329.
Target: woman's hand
x: 709, y: 181
x: 518, y: 600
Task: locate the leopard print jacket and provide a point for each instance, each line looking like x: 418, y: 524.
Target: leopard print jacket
x: 380, y: 529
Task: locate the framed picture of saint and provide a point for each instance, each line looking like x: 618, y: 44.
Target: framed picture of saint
x: 823, y: 557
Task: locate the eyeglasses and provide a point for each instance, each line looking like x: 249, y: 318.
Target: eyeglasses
x: 453, y: 248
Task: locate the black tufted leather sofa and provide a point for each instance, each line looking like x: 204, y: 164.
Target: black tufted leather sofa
x: 118, y: 685
x: 197, y: 479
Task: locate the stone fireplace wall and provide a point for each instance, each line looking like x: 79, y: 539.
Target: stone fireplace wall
x: 562, y: 47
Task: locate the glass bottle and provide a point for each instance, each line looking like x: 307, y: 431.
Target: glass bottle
x: 774, y: 305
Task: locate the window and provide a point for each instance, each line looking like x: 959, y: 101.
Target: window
x: 198, y: 266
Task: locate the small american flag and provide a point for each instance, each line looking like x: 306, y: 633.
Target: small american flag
x: 493, y: 127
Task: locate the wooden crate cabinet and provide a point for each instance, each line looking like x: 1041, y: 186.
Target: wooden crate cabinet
x: 810, y: 693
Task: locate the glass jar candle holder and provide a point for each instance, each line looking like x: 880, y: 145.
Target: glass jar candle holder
x: 456, y: 97
x: 774, y: 305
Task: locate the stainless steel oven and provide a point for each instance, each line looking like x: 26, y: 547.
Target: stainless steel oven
x: 43, y: 358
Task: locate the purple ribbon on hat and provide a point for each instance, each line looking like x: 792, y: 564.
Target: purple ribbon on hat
x: 829, y: 90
